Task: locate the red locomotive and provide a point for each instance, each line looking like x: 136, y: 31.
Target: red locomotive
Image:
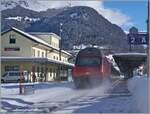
x: 91, y: 67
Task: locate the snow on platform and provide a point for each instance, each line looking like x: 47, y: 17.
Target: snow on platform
x: 138, y: 86
x: 62, y: 97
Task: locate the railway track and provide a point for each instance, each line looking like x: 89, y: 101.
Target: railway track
x: 90, y: 98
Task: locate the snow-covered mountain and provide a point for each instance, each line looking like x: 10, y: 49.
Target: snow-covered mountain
x: 9, y: 4
x: 35, y: 5
x: 80, y: 25
x: 26, y: 18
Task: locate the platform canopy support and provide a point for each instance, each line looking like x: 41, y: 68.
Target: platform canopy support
x: 127, y: 62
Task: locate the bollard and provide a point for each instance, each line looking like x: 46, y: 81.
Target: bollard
x: 20, y: 84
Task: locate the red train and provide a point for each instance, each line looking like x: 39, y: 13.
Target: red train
x: 91, y: 68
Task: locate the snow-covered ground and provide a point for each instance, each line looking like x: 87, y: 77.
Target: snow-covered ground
x: 138, y: 86
x: 62, y: 97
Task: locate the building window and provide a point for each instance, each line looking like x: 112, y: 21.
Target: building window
x: 52, y: 43
x: 66, y: 59
x: 54, y: 72
x: 12, y: 68
x: 38, y: 53
x: 50, y: 72
x: 12, y: 39
x: 34, y: 52
x: 54, y: 57
x: 42, y: 54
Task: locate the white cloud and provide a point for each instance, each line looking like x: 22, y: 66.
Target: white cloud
x: 116, y: 17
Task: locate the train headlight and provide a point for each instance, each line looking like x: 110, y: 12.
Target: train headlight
x: 87, y: 73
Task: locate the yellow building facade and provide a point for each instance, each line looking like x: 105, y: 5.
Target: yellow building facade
x: 37, y: 53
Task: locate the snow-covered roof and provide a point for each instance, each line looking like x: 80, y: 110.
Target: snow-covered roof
x: 35, y: 39
x: 66, y: 52
x: 112, y: 61
x: 130, y: 54
x: 140, y: 32
x: 61, y: 62
x: 45, y: 33
x: 23, y: 58
x: 35, y: 59
x: 32, y: 37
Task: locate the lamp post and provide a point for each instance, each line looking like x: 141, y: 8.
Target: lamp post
x: 21, y: 80
x: 60, y: 34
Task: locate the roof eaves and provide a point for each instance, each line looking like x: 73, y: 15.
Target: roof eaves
x: 2, y: 33
x: 66, y: 52
x: 45, y: 33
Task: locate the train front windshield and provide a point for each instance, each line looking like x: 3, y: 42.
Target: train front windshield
x: 88, y: 61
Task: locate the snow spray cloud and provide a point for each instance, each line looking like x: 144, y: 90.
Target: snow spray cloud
x: 100, y: 89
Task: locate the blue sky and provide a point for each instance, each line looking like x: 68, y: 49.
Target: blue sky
x: 136, y: 10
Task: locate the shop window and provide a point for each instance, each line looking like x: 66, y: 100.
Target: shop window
x: 12, y: 39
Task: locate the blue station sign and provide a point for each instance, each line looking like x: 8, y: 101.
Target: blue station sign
x: 137, y: 39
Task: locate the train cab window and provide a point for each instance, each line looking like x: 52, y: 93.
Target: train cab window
x: 88, y: 61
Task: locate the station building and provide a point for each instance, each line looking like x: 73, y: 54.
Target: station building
x: 36, y: 52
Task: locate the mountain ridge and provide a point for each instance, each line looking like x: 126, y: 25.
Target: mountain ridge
x: 81, y: 25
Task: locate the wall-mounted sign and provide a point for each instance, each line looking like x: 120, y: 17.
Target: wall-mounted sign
x: 12, y: 49
x: 138, y: 39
